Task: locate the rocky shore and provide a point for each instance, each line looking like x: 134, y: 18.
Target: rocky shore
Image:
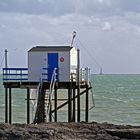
x: 68, y: 131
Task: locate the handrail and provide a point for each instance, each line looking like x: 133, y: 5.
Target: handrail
x: 53, y: 79
x: 84, y: 74
x: 15, y: 74
x: 15, y: 68
x: 51, y: 90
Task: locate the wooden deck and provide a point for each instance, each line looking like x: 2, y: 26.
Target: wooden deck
x: 46, y: 85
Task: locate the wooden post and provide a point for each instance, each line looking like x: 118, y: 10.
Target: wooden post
x: 28, y: 105
x: 50, y: 115
x: 6, y: 105
x: 40, y: 110
x: 10, y: 106
x: 43, y: 105
x: 69, y: 105
x: 6, y: 90
x: 55, y: 104
x: 78, y: 104
x: 6, y: 63
x: 86, y: 113
x: 78, y: 85
x: 73, y: 105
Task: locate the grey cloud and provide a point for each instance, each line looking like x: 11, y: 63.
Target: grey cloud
x: 63, y: 7
x: 104, y: 37
x: 130, y: 5
x: 53, y: 7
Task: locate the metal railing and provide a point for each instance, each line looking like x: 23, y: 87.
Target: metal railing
x: 47, y: 75
x: 50, y: 94
x: 21, y: 74
x: 15, y: 74
x: 84, y: 74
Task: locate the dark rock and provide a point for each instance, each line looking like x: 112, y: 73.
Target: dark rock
x: 45, y: 136
x: 65, y: 131
x: 116, y: 138
x: 2, y: 133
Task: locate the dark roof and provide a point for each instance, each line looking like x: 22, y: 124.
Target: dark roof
x: 50, y: 48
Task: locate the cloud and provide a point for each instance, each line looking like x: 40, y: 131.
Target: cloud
x: 53, y: 7
x: 106, y: 26
x: 63, y: 7
x: 109, y: 30
x: 101, y: 1
x: 24, y: 31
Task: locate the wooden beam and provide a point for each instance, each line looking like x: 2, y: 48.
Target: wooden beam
x: 87, y: 104
x: 71, y: 100
x: 28, y: 105
x: 73, y: 105
x: 78, y: 84
x: 6, y: 105
x: 10, y: 106
x: 78, y: 104
x: 69, y: 105
x: 55, y: 104
x: 50, y: 113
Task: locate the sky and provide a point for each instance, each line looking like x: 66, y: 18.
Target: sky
x: 108, y: 31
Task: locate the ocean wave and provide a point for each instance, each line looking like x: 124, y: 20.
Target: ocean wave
x: 119, y: 120
x: 114, y: 99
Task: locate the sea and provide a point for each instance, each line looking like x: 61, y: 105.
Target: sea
x: 116, y: 99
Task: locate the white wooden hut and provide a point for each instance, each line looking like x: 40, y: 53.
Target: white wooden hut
x: 43, y: 59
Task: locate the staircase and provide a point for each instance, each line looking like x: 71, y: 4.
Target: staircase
x: 44, y: 100
x: 40, y: 109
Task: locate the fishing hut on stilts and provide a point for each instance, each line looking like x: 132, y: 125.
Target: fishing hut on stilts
x: 50, y: 69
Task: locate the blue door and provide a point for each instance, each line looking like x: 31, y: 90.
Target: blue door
x: 52, y: 63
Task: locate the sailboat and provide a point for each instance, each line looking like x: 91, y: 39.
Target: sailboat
x: 101, y: 71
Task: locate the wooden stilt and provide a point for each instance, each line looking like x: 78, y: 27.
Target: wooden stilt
x: 87, y: 104
x: 42, y: 117
x: 10, y: 106
x: 6, y: 105
x: 28, y: 105
x: 55, y: 104
x: 50, y: 115
x: 78, y: 85
x: 69, y: 105
x: 40, y: 111
x: 73, y: 105
x: 78, y: 104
